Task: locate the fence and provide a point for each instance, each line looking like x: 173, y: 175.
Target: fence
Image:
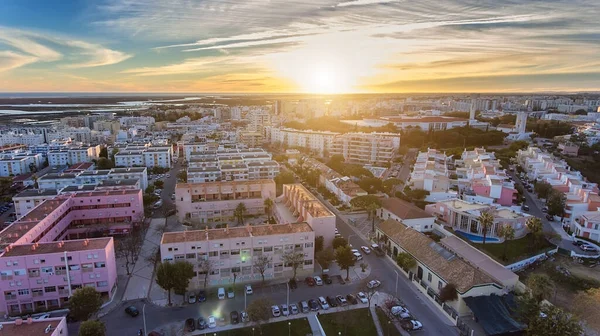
x: 526, y: 262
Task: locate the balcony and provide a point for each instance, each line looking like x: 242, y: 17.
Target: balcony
x: 6, y: 277
x: 63, y: 292
x: 37, y: 294
x: 10, y: 297
x: 86, y: 270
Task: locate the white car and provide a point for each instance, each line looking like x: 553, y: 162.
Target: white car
x: 357, y: 256
x: 362, y: 297
x: 212, y: 322
x: 400, y: 311
x: 249, y: 290
x: 318, y: 281
x: 294, y: 309
x: 354, y: 251
x: 365, y: 249
x: 374, y: 284
x: 285, y: 311
x: 416, y: 325
x: 275, y: 311
x: 323, y: 303
x: 42, y: 317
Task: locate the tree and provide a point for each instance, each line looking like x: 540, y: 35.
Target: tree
x: 293, y: 259
x: 184, y: 272
x: 540, y: 286
x: 554, y: 322
x: 113, y: 153
x: 390, y: 184
x: 259, y: 311
x: 33, y: 168
x: 84, y: 303
x: 182, y: 176
x: 261, y: 263
x: 448, y: 293
x: 543, y: 189
x: 362, y: 202
x: 406, y: 261
x: 269, y: 208
x: 319, y: 242
x: 239, y: 212
x: 534, y: 224
x: 174, y: 276
x: 506, y: 232
x: 158, y: 184
x: 345, y: 259
x: 339, y: 241
x: 369, y: 292
x: 325, y: 257
x: 150, y: 189
x: 372, y: 185
x: 205, y: 267
x: 103, y: 152
x: 129, y: 248
x: 556, y: 203
x: 92, y: 328
x: 104, y: 163
x: 372, y: 211
x: 587, y: 303
x: 486, y: 220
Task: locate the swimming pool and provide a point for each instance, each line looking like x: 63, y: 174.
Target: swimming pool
x: 475, y: 238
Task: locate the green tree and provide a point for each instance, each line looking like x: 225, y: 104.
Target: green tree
x: 372, y: 185
x: 158, y: 184
x: 150, y: 189
x: 362, y: 202
x: 293, y: 259
x: 84, y: 303
x: 259, y: 311
x: 182, y: 176
x: 174, y: 276
x: 269, y: 208
x: 448, y: 293
x: 390, y: 184
x: 284, y: 177
x: 554, y: 322
x: 534, y: 224
x: 103, y: 152
x: 556, y: 203
x: 184, y: 272
x: 540, y: 286
x: 543, y: 189
x: 372, y: 211
x: 319, y: 243
x: 406, y: 261
x: 325, y: 257
x: 92, y: 328
x: 104, y: 163
x: 338, y: 242
x: 345, y: 259
x: 239, y: 213
x: 486, y: 220
x: 506, y: 232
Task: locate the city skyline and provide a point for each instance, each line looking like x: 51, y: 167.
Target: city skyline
x: 321, y: 46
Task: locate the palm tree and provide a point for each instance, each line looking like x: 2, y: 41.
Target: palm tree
x: 269, y: 208
x: 507, y: 232
x: 372, y: 211
x: 486, y: 220
x: 534, y: 224
x: 239, y: 212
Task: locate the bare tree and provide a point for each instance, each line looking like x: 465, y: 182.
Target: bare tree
x: 369, y: 292
x: 205, y: 266
x: 154, y: 257
x: 261, y: 263
x: 293, y: 259
x: 129, y: 248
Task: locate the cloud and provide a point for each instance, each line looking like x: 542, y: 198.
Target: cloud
x: 11, y: 60
x: 191, y: 65
x: 364, y: 2
x: 96, y: 55
x: 22, y: 41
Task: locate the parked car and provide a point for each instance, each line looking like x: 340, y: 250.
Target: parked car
x: 249, y: 290
x: 578, y: 242
x: 525, y: 207
x: 550, y: 217
x: 275, y: 311
x: 212, y: 322
x: 201, y: 296
x: 357, y: 256
x: 323, y: 303
x: 313, y: 304
x: 400, y: 311
x: 318, y: 280
x: 285, y: 311
x: 362, y: 297
x: 366, y: 249
x: 235, y: 317
x: 294, y: 309
x: 341, y: 300
x: 416, y: 325
x: 545, y: 209
x: 588, y: 248
x: 132, y: 311
x: 351, y: 298
x: 202, y: 324
x: 42, y: 317
x: 310, y: 281
x: 304, y: 307
x: 244, y: 316
x: 331, y: 300
x: 221, y: 293
x: 191, y: 298
x: 230, y: 293
x: 326, y: 279
x: 374, y: 284
x: 190, y: 324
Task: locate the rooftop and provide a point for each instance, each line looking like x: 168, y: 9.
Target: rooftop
x: 36, y: 328
x: 36, y: 192
x: 403, y: 209
x: 309, y: 201
x: 236, y: 232
x: 58, y: 247
x: 442, y: 262
x: 463, y: 205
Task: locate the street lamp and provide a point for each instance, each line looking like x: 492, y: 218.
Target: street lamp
x: 388, y: 331
x: 396, y: 283
x: 288, y: 294
x: 289, y: 328
x: 144, y: 316
x: 245, y: 293
x: 252, y: 331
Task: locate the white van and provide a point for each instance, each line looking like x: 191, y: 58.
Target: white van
x: 221, y: 293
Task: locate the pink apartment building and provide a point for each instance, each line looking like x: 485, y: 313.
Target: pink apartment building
x: 40, y: 268
x: 53, y: 326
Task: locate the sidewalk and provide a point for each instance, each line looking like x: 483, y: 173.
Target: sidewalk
x: 115, y: 301
x: 376, y: 321
x: 140, y: 280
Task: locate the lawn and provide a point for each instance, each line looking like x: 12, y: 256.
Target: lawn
x: 388, y: 329
x: 354, y: 322
x: 516, y: 250
x: 298, y: 327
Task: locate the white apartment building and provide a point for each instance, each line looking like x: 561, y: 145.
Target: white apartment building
x: 231, y: 165
x: 93, y: 177
x: 235, y: 251
x: 430, y: 171
x: 426, y: 123
x: 258, y: 119
x: 134, y: 121
x: 23, y: 137
x: 129, y: 158
x: 28, y: 199
x: 70, y: 156
x: 79, y: 134
x: 366, y: 148
x: 135, y: 156
x: 314, y: 140
x: 19, y: 163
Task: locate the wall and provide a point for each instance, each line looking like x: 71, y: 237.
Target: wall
x: 526, y: 262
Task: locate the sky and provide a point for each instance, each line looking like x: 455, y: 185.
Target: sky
x: 303, y: 46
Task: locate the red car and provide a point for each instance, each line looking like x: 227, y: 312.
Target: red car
x: 310, y: 281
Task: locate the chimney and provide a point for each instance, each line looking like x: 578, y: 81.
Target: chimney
x: 33, y: 247
x: 18, y: 321
x: 29, y: 320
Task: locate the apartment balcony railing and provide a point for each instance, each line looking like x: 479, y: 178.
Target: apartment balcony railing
x: 86, y: 270
x: 10, y: 297
x: 63, y: 291
x: 37, y: 294
x: 6, y: 277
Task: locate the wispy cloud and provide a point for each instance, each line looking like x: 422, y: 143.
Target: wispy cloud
x: 364, y: 2
x: 192, y: 65
x: 96, y: 55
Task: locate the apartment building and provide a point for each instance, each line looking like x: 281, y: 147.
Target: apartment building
x: 53, y: 326
x: 430, y: 171
x: 437, y: 123
x: 251, y: 139
x: 463, y: 216
x: 29, y: 199
x: 344, y: 189
x: 22, y: 137
x: 73, y: 155
x: 141, y: 156
x: 231, y: 165
x: 216, y: 201
x: 406, y: 213
x: 366, y: 148
x: 61, y: 180
x: 297, y: 205
x: 235, y: 250
x: 12, y: 164
x: 317, y: 141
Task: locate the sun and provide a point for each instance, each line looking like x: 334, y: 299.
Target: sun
x: 323, y: 80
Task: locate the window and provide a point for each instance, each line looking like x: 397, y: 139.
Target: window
x: 213, y: 253
x: 50, y: 289
x: 47, y: 269
x: 235, y: 252
x: 24, y: 291
x: 69, y: 258
x: 429, y: 277
x: 440, y: 285
x: 100, y: 264
x: 190, y: 256
x: 258, y: 250
x: 179, y: 256
x: 170, y: 249
x: 308, y: 262
x: 19, y: 272
x: 74, y: 267
x: 235, y: 270
x: 102, y: 284
x: 268, y: 248
x: 308, y: 245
